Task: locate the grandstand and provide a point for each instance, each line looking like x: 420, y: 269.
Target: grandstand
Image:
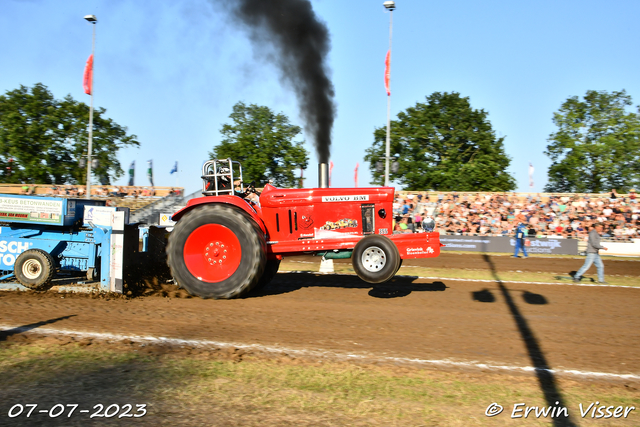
x: 558, y: 215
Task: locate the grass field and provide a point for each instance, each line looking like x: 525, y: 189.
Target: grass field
x: 192, y: 389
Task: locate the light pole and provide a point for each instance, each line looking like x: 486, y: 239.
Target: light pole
x: 93, y: 20
x: 390, y: 5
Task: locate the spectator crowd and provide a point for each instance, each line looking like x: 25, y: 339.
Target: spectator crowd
x: 496, y: 214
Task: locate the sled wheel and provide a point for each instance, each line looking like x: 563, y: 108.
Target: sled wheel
x: 91, y: 273
x: 270, y: 271
x: 34, y: 269
x: 216, y: 251
x: 375, y: 259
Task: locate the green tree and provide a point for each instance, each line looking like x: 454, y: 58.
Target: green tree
x: 263, y: 142
x: 597, y: 145
x: 43, y: 139
x: 443, y: 145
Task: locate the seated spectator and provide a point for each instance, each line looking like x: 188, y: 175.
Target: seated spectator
x: 406, y: 207
x: 398, y: 226
x: 614, y: 195
x: 569, y: 231
x: 417, y: 219
x: 404, y: 225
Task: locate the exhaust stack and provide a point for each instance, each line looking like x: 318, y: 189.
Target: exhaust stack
x: 323, y: 175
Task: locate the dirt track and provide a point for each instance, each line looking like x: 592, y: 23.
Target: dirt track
x: 548, y: 326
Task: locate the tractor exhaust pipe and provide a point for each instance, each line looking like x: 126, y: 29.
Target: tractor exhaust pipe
x: 323, y: 175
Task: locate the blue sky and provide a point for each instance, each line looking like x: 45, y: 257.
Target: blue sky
x: 172, y: 70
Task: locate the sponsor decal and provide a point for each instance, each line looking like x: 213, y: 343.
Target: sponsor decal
x: 355, y: 198
x: 334, y: 234
x: 12, y: 247
x: 307, y: 221
x: 383, y: 231
x: 165, y: 220
x: 31, y: 209
x: 411, y: 251
x: 342, y: 223
x: 551, y: 243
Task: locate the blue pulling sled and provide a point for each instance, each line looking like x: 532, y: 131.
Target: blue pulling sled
x: 44, y: 238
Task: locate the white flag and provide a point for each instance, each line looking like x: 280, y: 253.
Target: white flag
x: 530, y: 175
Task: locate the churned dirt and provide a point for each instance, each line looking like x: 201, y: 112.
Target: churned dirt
x: 547, y: 326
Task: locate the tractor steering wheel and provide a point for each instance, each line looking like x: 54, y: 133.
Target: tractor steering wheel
x: 251, y: 188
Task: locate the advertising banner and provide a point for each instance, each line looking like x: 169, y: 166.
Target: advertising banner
x: 507, y: 244
x: 38, y: 210
x: 117, y: 252
x: 98, y: 215
x: 165, y: 220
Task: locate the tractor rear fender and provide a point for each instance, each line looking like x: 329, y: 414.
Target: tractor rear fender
x: 253, y: 211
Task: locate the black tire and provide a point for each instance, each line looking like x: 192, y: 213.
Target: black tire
x: 195, y: 252
x: 270, y: 271
x: 34, y: 269
x: 91, y: 274
x: 399, y: 265
x: 375, y: 259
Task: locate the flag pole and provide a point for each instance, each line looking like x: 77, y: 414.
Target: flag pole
x: 93, y: 20
x: 390, y: 6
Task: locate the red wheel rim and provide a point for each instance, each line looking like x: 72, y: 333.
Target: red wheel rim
x: 212, y: 253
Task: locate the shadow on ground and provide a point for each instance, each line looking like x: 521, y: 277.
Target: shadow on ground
x: 399, y: 286
x: 25, y: 328
x: 485, y: 295
x: 544, y: 374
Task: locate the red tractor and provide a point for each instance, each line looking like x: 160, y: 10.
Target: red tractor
x: 232, y: 240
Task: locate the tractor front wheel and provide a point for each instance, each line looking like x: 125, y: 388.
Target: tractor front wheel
x: 216, y: 251
x: 376, y: 259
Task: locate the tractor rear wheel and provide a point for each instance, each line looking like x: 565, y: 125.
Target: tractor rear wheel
x: 216, y: 251
x: 34, y: 269
x: 375, y: 259
x: 270, y: 272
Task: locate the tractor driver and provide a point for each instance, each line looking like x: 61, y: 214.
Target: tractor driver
x: 224, y: 183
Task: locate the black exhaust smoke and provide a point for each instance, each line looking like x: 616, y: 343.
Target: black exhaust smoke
x: 301, y: 43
